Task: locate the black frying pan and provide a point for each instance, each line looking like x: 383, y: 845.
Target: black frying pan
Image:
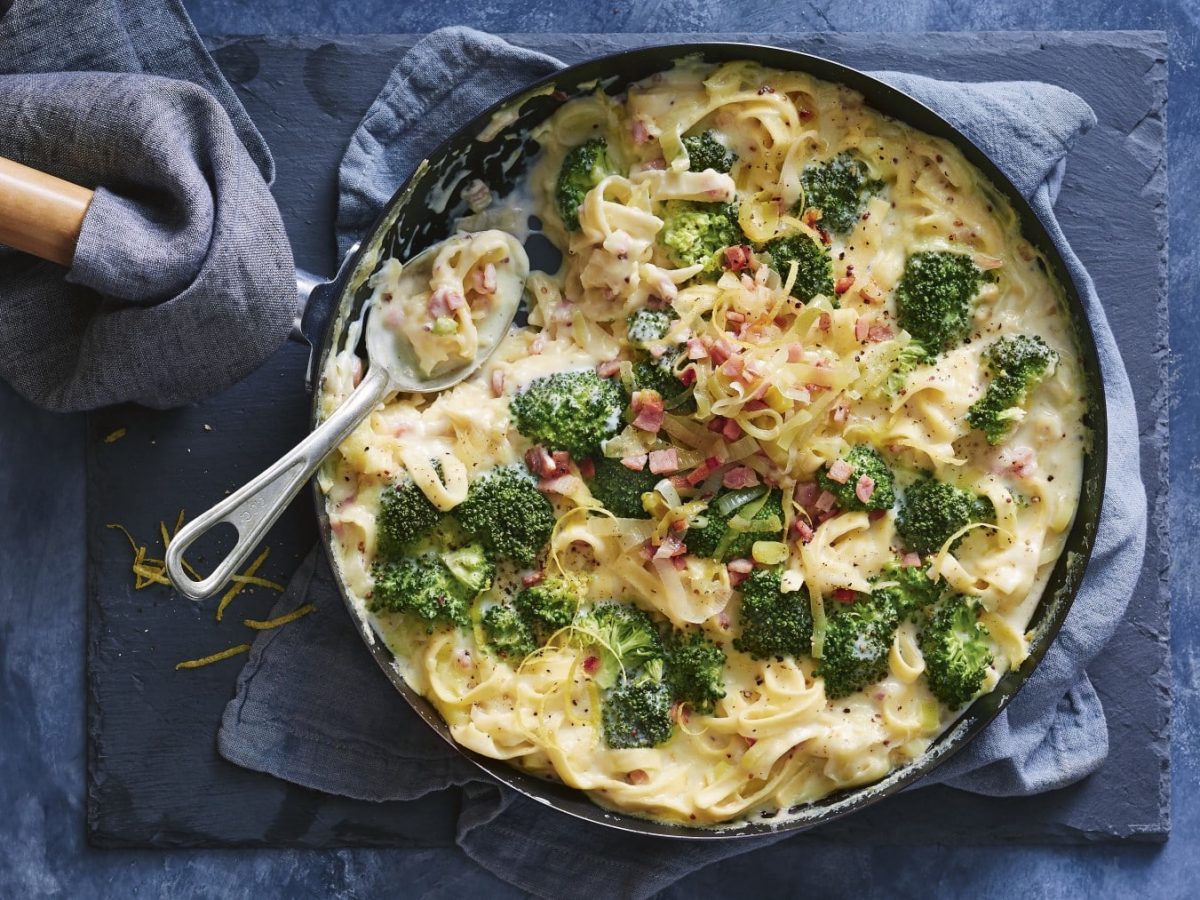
x: 409, y: 224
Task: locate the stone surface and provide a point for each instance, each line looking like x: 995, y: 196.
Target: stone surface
x: 154, y: 776
x: 41, y: 552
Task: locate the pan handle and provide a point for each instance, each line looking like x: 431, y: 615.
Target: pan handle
x: 39, y: 213
x: 253, y: 508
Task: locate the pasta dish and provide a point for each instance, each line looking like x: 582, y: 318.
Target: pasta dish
x: 764, y: 492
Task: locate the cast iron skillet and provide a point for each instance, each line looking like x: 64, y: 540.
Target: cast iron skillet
x: 416, y: 217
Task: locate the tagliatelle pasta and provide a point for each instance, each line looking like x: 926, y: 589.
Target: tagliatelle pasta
x: 778, y: 384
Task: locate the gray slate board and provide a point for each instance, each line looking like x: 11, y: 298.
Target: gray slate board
x: 154, y: 777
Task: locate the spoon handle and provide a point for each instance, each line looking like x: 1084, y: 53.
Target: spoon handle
x: 253, y: 508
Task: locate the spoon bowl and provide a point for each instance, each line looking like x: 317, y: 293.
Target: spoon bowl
x: 412, y: 347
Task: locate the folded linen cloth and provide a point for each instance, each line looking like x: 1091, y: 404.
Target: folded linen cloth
x: 183, y: 280
x: 286, y: 723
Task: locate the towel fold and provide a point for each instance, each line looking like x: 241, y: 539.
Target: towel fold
x: 183, y: 280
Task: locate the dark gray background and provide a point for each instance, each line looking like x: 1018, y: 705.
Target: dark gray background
x: 41, y: 614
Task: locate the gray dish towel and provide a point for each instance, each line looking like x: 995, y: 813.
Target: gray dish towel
x: 285, y: 722
x: 183, y: 280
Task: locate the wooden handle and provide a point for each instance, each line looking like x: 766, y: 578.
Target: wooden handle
x: 40, y: 214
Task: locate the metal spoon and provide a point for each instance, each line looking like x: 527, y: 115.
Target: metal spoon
x: 393, y: 367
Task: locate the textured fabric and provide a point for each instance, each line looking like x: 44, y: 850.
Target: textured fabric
x: 183, y: 280
x: 299, y: 728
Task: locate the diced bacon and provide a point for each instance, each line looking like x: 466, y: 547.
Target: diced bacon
x: 740, y: 477
x: 442, y: 301
x: 723, y: 621
x: 840, y: 471
x: 688, y: 376
x: 755, y: 405
x: 875, y: 515
x: 591, y: 665
x: 671, y: 546
x: 702, y: 471
x: 679, y: 526
x: 648, y: 412
x: 737, y: 258
x: 484, y: 280
x: 825, y: 322
x: 663, y: 462
x: 878, y: 333
x: 563, y: 484
x: 748, y: 283
x: 862, y: 327
x: 864, y: 488
x: 637, y: 776
x: 806, y: 493
x: 812, y: 216
x: 635, y: 463
x: 908, y: 560
x: 658, y: 351
x: 721, y: 350
x: 498, y: 382
x: 462, y: 659
x: 732, y: 430
x: 742, y: 566
x: 587, y: 468
x: 844, y: 595
x: 843, y: 284
x: 716, y: 424
x: 640, y: 133
x: 795, y: 352
x: 839, y: 412
x: 540, y: 462
x: 1019, y: 460
x: 679, y: 482
x: 529, y: 579
x: 733, y: 366
x: 750, y: 742
x: 803, y: 530
x: 608, y: 368
x: 825, y: 502
x: 696, y: 349
x: 734, y: 316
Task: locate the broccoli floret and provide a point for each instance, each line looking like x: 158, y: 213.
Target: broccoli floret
x: 508, y: 634
x: 424, y: 587
x: 572, y: 411
x: 1017, y: 365
x: 637, y: 712
x: 625, y: 638
x: 583, y: 168
x: 773, y: 623
x: 908, y: 589
x: 694, y: 671
x: 719, y: 540
x: 472, y: 566
x: 548, y: 606
x: 646, y: 326
x: 695, y: 233
x: 933, y: 298
x: 839, y: 188
x: 956, y: 653
x: 909, y: 358
x: 814, y: 269
x: 858, y: 638
x: 506, y: 512
x: 405, y: 514
x: 620, y: 488
x: 706, y: 152
x: 932, y: 511
x: 863, y: 459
